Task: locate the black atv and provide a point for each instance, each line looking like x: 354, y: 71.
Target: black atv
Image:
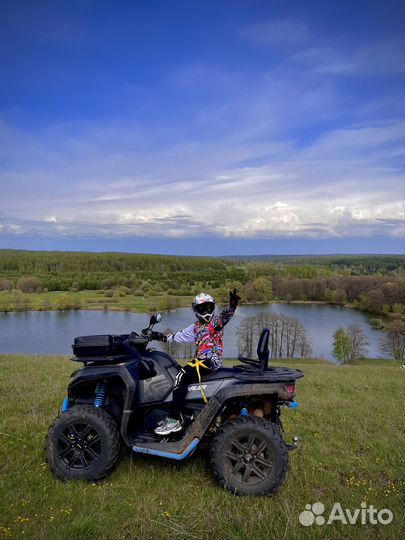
x: 122, y: 393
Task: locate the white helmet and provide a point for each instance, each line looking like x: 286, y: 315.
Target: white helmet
x: 204, y: 306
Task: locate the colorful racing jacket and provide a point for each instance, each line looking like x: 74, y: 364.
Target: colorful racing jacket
x: 207, y: 336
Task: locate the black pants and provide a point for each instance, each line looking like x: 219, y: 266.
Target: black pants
x: 186, y: 376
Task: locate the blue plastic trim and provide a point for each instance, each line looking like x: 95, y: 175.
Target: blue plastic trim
x: 171, y: 455
x: 65, y: 404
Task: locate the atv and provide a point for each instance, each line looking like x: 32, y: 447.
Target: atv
x: 124, y: 389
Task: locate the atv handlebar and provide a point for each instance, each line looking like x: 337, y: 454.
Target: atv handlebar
x: 136, y: 339
x: 151, y: 335
x: 147, y: 334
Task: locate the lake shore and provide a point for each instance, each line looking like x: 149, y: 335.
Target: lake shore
x: 90, y: 300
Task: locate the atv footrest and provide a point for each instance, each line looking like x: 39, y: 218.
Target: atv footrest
x: 161, y: 452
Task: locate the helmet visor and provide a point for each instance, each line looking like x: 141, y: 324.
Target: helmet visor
x: 205, y: 309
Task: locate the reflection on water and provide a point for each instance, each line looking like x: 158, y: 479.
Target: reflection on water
x: 52, y: 332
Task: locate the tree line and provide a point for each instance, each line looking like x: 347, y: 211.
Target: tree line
x: 31, y: 271
x: 347, y: 264
x: 376, y: 294
x: 328, y: 279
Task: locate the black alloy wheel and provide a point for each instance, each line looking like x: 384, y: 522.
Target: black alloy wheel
x: 248, y: 456
x: 78, y: 446
x: 83, y: 442
x: 248, y: 459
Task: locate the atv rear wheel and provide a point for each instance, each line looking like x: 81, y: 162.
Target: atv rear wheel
x: 82, y: 442
x: 249, y: 456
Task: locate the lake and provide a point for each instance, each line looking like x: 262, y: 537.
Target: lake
x: 52, y: 332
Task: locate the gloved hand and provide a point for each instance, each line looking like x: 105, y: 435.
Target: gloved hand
x: 233, y: 299
x: 158, y: 336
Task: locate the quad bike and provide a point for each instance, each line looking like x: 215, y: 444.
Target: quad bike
x: 124, y: 390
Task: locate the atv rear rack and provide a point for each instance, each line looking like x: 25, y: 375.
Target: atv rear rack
x: 271, y: 374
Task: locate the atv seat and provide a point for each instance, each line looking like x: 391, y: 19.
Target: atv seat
x: 220, y: 373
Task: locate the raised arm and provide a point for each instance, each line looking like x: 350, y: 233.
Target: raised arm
x: 226, y: 315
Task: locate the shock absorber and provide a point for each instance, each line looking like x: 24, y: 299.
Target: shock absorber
x: 101, y: 390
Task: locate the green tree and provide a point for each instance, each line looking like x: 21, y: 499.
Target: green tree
x: 263, y: 288
x: 342, y: 345
x: 234, y: 285
x: 63, y: 302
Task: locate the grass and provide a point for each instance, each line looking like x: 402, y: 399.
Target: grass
x: 351, y: 427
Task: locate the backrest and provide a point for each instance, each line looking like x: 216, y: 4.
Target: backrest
x: 263, y: 348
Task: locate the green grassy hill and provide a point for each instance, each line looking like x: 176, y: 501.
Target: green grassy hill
x: 351, y: 427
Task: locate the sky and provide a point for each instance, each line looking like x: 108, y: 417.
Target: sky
x: 208, y: 127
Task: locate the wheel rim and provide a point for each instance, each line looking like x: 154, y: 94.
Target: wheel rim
x: 78, y: 446
x: 248, y: 459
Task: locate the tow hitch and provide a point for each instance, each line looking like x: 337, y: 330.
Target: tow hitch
x: 293, y: 445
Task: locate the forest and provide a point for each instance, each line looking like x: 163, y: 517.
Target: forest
x: 76, y: 280
x: 356, y: 264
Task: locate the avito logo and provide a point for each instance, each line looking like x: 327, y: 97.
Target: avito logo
x: 366, y: 514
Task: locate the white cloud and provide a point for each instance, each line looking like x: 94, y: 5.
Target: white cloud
x: 342, y: 184
x: 264, y: 161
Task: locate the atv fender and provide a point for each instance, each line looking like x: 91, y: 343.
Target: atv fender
x: 197, y: 429
x: 96, y: 373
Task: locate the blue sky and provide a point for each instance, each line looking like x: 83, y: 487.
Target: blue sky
x: 215, y: 127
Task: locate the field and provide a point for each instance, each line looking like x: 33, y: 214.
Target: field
x: 350, y: 423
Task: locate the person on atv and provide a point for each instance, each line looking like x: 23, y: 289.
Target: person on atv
x: 207, y: 333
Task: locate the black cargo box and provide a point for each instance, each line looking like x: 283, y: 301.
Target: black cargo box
x: 91, y: 346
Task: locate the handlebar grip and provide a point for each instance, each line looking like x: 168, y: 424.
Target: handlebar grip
x: 158, y: 336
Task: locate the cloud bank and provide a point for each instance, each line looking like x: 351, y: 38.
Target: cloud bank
x: 297, y: 150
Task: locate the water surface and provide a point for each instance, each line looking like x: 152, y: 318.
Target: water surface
x: 52, y: 332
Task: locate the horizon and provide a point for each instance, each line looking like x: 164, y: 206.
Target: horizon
x: 230, y: 256
x: 210, y: 128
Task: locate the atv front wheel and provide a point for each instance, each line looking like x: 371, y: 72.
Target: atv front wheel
x: 82, y: 442
x: 249, y: 456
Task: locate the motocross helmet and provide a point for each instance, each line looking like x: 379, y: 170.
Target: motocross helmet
x: 204, y: 306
